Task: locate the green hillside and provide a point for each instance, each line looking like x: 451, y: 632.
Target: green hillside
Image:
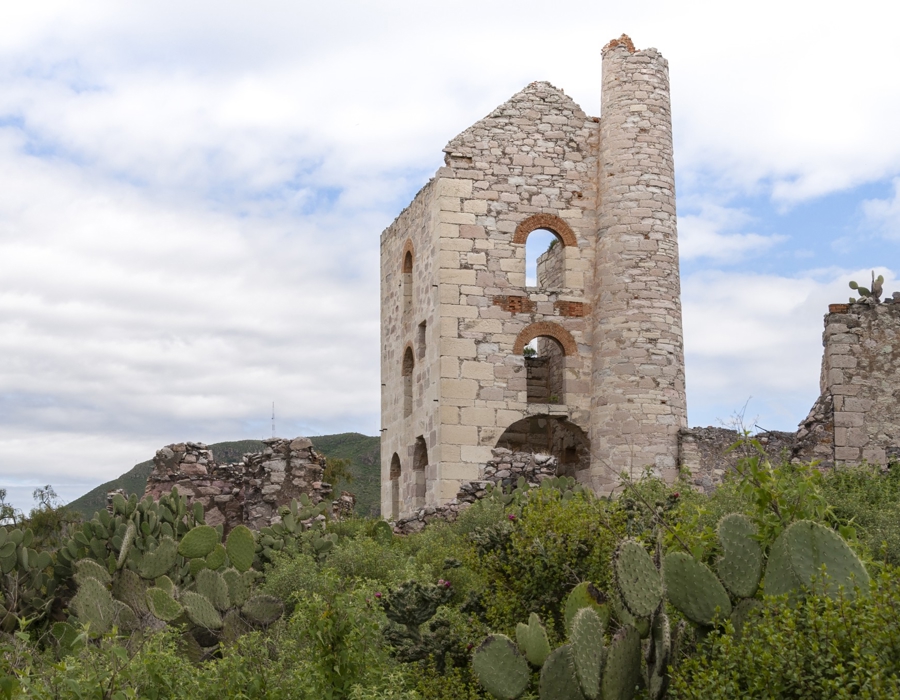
x: 361, y: 450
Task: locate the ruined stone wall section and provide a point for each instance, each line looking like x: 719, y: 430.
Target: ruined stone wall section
x: 248, y: 493
x: 638, y: 373
x: 530, y: 163
x: 551, y: 268
x: 416, y: 229
x: 861, y: 372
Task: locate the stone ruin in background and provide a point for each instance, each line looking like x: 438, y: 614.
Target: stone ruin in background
x: 250, y: 492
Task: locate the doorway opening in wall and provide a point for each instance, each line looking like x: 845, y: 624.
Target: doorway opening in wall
x: 552, y: 435
x: 544, y: 260
x: 395, y: 486
x: 420, y: 463
x: 545, y: 364
x: 408, y: 365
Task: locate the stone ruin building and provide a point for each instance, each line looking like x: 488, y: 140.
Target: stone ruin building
x: 603, y: 388
x: 251, y: 491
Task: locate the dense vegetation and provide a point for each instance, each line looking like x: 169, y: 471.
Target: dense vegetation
x: 360, y: 451
x: 353, y: 611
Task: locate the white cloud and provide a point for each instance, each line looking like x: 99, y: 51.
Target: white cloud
x: 710, y: 234
x: 884, y: 214
x: 752, y: 335
x: 191, y: 194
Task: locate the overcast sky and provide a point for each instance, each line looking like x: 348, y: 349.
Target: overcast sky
x: 191, y: 198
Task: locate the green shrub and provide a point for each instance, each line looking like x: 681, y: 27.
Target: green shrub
x: 816, y: 648
x: 534, y: 558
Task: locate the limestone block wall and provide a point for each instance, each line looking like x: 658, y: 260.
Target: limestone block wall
x: 861, y: 373
x: 638, y: 373
x: 410, y: 364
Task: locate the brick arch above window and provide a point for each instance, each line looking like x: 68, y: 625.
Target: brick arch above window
x: 549, y: 222
x: 408, y: 256
x: 545, y: 329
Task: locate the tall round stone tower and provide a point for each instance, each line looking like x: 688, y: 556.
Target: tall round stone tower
x: 638, y: 402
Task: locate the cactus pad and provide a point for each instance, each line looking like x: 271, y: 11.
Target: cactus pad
x: 233, y: 626
x: 803, y: 549
x: 499, y: 667
x: 660, y: 653
x: 740, y: 567
x: 88, y: 568
x: 131, y: 590
x: 127, y: 541
x: 215, y: 558
x: 741, y: 613
x: 587, y: 650
x: 641, y: 624
x: 558, y: 678
x: 694, y: 589
x: 263, y: 609
x: 162, y: 605
x: 584, y: 595
x: 382, y: 532
x: 213, y: 587
x: 241, y: 547
x: 93, y: 604
x: 201, y: 611
x: 198, y: 542
x: 158, y: 562
x: 637, y: 579
x: 238, y: 586
x: 532, y: 639
x: 623, y: 666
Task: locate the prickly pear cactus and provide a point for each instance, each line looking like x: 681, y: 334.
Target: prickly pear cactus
x: 637, y: 579
x: 26, y: 588
x: 500, y: 668
x: 659, y: 653
x: 558, y: 676
x: 584, y: 595
x: 694, y: 589
x: 162, y: 605
x: 532, y: 639
x: 588, y: 650
x: 622, y: 673
x: 800, y: 553
x: 199, y: 542
x: 740, y: 567
x: 241, y: 547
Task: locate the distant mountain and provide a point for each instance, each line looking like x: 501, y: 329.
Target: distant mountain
x: 362, y: 451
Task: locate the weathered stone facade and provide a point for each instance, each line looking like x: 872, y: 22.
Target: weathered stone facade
x: 247, y: 493
x: 608, y: 379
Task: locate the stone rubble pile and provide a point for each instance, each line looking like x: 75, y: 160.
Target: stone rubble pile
x: 504, y: 470
x: 250, y: 492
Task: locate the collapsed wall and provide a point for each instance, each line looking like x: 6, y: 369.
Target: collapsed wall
x: 856, y: 418
x: 247, y: 493
x: 504, y: 469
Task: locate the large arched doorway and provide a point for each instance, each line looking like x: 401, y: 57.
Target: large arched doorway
x: 551, y: 435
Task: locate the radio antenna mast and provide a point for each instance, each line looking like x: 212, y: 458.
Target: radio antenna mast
x: 273, y: 419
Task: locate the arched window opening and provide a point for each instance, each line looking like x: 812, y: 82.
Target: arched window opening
x: 545, y: 363
x: 545, y: 262
x: 555, y: 436
x: 408, y: 364
x: 420, y: 462
x: 395, y: 486
x: 407, y: 281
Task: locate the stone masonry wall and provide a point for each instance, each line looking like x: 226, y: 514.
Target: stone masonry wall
x: 639, y: 400
x: 861, y: 374
x: 248, y: 493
